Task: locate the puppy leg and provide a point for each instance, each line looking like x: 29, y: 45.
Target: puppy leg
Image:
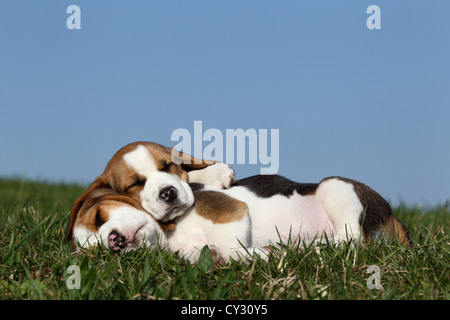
x: 342, y: 206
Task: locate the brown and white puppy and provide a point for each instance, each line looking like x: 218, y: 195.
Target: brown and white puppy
x: 117, y: 222
x: 265, y: 210
x: 155, y: 177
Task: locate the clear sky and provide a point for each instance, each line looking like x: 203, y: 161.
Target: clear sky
x: 373, y: 105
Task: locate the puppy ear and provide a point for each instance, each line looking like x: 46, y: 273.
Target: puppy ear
x: 100, y: 182
x: 188, y: 162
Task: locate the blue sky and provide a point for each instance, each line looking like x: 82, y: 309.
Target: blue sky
x: 373, y: 105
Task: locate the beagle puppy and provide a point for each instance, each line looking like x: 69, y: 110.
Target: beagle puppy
x: 253, y: 213
x: 266, y: 210
x: 116, y: 221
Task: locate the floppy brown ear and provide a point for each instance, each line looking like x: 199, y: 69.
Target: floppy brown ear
x: 98, y: 183
x: 188, y: 162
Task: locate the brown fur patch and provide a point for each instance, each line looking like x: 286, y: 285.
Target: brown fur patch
x: 219, y: 207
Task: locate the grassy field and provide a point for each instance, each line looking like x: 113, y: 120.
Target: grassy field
x: 34, y: 261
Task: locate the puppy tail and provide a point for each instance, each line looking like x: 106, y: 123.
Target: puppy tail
x: 394, y: 229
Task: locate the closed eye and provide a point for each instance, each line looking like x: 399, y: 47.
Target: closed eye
x: 139, y: 183
x: 98, y: 219
x: 167, y: 166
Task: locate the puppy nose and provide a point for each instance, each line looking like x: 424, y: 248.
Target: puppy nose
x: 168, y: 194
x: 117, y: 241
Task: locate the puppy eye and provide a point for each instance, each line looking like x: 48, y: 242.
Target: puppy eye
x: 98, y: 219
x: 139, y: 183
x: 167, y: 166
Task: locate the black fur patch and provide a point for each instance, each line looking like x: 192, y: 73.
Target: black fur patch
x: 266, y: 186
x: 196, y: 186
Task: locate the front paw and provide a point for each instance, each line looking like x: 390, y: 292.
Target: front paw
x: 221, y: 175
x: 218, y: 175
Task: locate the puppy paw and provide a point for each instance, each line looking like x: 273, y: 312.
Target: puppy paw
x: 216, y: 255
x: 220, y: 175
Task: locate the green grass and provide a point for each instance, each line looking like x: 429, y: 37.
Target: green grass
x: 34, y: 260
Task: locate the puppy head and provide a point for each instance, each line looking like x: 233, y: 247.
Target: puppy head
x: 103, y: 217
x: 154, y: 176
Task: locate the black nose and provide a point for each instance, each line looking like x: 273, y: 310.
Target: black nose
x: 168, y: 194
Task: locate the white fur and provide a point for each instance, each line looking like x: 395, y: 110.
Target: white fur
x: 292, y: 218
x: 193, y: 232
x: 84, y: 237
x: 342, y: 206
